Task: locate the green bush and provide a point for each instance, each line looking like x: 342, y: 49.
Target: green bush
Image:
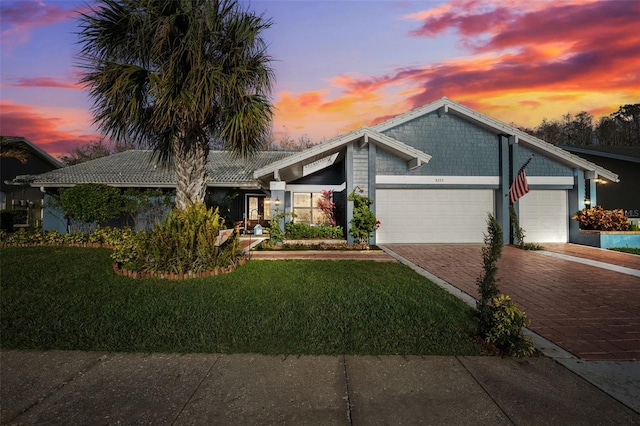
x: 299, y: 231
x: 185, y: 241
x: 364, y: 222
x: 276, y: 233
x: 90, y: 203
x: 506, y: 328
x: 145, y: 208
x: 488, y: 281
x: 106, y: 236
x: 599, y: 219
x: 500, y: 321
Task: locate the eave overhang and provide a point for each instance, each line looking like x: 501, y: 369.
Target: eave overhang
x: 292, y: 168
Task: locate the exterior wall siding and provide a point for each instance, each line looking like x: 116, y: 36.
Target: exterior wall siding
x: 458, y: 147
x: 361, y: 168
x: 540, y: 165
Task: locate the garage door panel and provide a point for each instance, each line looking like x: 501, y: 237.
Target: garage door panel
x: 543, y: 214
x: 432, y: 215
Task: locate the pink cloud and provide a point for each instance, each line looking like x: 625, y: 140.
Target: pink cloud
x: 602, y: 56
x: 533, y: 56
x: 18, y: 18
x: 49, y: 82
x: 47, y: 132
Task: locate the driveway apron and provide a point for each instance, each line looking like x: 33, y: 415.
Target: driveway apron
x: 592, y: 312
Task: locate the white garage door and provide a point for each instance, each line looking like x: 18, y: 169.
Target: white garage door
x: 544, y: 216
x: 432, y: 215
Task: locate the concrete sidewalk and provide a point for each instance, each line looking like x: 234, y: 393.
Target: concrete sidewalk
x: 58, y: 387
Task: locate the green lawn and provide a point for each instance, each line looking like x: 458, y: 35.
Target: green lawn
x: 69, y: 298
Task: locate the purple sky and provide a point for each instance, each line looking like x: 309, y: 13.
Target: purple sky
x: 343, y: 64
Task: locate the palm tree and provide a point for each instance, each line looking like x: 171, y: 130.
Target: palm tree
x: 177, y: 75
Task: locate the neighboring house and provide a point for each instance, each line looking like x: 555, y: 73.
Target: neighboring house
x: 625, y: 160
x: 434, y: 174
x: 19, y: 195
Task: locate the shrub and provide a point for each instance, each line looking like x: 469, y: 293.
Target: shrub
x: 364, y: 222
x: 276, y: 233
x: 599, y: 219
x: 107, y: 236
x: 506, y: 328
x: 145, y: 208
x: 90, y: 203
x: 488, y: 281
x: 327, y: 206
x: 297, y: 231
x: 185, y: 241
x: 518, y: 232
x: 500, y: 321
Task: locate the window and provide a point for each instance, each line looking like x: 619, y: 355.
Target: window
x: 305, y: 207
x: 267, y: 209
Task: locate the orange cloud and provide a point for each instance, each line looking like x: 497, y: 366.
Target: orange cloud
x: 57, y: 132
x: 544, y: 62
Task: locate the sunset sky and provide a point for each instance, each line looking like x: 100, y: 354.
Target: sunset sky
x: 343, y: 64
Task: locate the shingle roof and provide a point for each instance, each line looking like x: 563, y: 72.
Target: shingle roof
x: 138, y: 168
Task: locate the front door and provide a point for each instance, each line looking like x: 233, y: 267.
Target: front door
x: 257, y: 211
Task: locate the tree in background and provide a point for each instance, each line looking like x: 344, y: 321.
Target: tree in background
x: 621, y: 128
x: 94, y: 149
x: 628, y: 117
x: 82, y: 153
x: 177, y: 75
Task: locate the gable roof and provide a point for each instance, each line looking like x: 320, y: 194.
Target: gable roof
x: 17, y: 140
x: 139, y: 168
x: 292, y: 168
x: 623, y: 153
x: 447, y: 106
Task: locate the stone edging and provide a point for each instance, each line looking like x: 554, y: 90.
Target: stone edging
x: 124, y: 272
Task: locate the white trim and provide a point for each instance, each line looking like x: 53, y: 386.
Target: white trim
x: 437, y: 180
x: 316, y: 188
x: 277, y: 186
x: 550, y: 180
x: 320, y: 151
x: 318, y: 165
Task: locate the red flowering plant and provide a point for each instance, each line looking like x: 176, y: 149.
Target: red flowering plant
x: 327, y: 206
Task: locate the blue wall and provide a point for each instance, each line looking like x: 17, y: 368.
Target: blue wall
x: 458, y: 148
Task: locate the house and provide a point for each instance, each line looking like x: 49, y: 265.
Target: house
x: 625, y: 160
x: 434, y: 174
x: 19, y: 195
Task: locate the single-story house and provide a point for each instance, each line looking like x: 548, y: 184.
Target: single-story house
x: 434, y: 174
x: 27, y: 159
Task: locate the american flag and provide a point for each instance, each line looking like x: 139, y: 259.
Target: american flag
x: 519, y: 186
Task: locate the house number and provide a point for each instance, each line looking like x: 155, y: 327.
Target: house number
x: 439, y: 180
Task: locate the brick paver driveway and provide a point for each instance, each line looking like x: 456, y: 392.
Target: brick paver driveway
x: 591, y: 312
